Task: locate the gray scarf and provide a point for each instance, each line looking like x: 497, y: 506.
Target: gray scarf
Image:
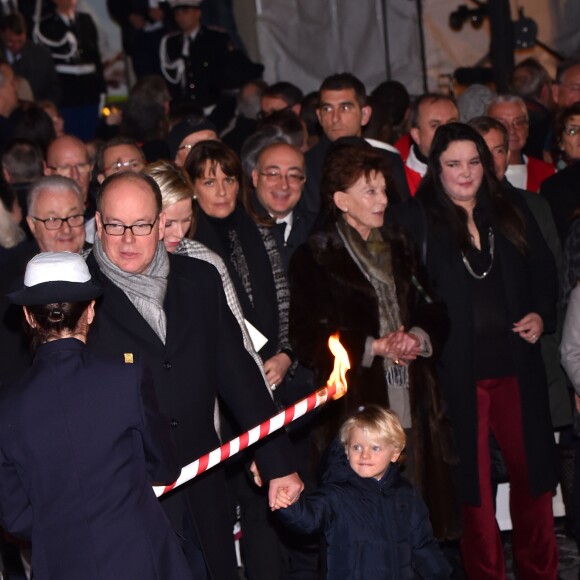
x: 373, y: 257
x: 145, y: 291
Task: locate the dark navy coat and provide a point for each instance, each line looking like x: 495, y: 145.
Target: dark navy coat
x: 373, y: 529
x: 203, y: 358
x: 81, y: 441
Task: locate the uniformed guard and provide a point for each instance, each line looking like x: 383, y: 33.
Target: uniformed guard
x: 72, y: 39
x: 194, y: 60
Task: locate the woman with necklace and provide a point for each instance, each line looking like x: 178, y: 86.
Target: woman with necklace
x: 486, y: 258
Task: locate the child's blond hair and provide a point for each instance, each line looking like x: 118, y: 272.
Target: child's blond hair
x: 374, y: 419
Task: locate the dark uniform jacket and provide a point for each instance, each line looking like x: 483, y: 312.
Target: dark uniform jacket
x: 81, y: 442
x: 203, y: 357
x: 373, y: 529
x: 80, y: 71
x: 204, y: 69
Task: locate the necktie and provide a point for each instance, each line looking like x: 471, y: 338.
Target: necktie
x: 281, y: 228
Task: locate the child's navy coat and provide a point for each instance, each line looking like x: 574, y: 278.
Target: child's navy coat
x: 373, y: 529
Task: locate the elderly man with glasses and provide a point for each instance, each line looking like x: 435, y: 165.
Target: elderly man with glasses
x: 523, y: 172
x: 172, y: 311
x: 56, y: 219
x: 69, y: 157
x: 56, y: 215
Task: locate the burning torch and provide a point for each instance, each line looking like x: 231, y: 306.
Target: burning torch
x: 335, y: 388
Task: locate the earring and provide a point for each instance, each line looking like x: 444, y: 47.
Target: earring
x: 195, y: 197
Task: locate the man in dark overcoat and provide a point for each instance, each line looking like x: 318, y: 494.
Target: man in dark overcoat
x: 172, y: 311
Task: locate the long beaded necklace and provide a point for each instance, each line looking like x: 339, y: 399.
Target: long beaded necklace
x: 491, y: 240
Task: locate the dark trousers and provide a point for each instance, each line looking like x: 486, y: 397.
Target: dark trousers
x: 534, y: 541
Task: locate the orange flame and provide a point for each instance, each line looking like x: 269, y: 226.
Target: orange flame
x: 341, y: 365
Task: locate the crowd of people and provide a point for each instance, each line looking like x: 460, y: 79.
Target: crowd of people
x: 171, y: 275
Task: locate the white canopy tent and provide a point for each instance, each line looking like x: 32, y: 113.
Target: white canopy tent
x: 303, y: 41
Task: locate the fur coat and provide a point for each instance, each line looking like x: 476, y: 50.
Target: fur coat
x: 330, y: 294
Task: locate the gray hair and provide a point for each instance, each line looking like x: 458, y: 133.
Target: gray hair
x: 499, y: 99
x: 257, y: 142
x: 23, y: 161
x: 55, y: 184
x: 10, y: 232
x: 528, y: 79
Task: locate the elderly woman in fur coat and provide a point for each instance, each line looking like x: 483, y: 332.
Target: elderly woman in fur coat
x: 363, y: 280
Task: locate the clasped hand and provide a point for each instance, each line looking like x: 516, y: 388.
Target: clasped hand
x: 399, y: 345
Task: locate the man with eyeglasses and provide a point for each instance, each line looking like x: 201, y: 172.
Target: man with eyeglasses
x: 56, y: 215
x: 55, y: 218
x: 172, y: 311
x: 119, y: 154
x: 523, y: 172
x: 68, y: 156
x: 278, y: 179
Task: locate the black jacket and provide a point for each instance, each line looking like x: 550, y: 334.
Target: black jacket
x: 373, y: 529
x: 204, y: 68
x: 562, y: 191
x: 77, y: 88
x: 530, y: 285
x: 330, y: 294
x: 203, y: 358
x: 81, y: 443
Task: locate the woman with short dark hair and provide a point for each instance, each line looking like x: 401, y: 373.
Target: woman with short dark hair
x: 255, y: 267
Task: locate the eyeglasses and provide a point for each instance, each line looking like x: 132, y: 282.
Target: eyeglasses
x: 519, y: 123
x: 572, y: 87
x: 572, y: 130
x: 54, y: 223
x: 276, y: 176
x: 67, y: 170
x: 131, y: 165
x: 136, y: 229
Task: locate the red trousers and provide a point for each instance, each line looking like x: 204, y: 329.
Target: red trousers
x: 499, y: 409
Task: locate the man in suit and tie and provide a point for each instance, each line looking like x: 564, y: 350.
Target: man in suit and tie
x: 278, y: 180
x: 172, y: 311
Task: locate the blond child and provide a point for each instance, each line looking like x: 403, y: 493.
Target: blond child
x: 375, y: 524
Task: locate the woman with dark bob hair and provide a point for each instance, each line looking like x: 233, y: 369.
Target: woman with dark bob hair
x: 255, y: 267
x: 487, y: 259
x: 364, y: 281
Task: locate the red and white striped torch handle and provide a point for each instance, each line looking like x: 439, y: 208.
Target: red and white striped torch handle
x: 211, y: 459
